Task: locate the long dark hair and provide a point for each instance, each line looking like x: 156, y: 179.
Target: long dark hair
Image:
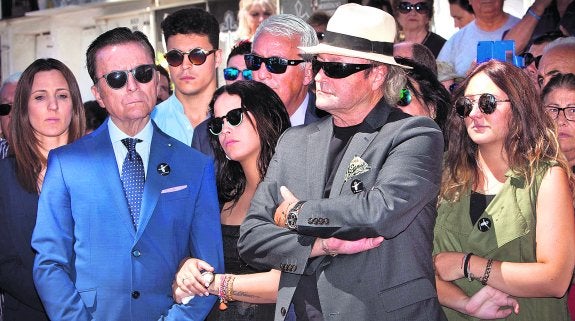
x: 269, y: 118
x: 23, y: 142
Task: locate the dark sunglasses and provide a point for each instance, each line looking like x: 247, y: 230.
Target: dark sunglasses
x: 196, y: 56
x: 320, y: 35
x: 118, y: 78
x: 487, y: 104
x: 528, y: 59
x: 232, y: 73
x: 406, y: 7
x: 275, y: 65
x: 337, y: 70
x: 234, y: 117
x: 5, y: 109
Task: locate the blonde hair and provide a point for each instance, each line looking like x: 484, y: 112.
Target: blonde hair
x: 244, y: 31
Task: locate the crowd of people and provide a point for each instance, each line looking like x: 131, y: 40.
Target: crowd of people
x: 352, y: 167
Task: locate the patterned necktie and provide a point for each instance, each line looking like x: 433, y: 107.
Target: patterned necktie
x: 133, y: 178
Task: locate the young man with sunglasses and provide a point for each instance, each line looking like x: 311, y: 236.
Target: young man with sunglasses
x: 6, y: 100
x: 368, y: 171
x: 122, y: 206
x: 192, y: 39
x: 490, y: 24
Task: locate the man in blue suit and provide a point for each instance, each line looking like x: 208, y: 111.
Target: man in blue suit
x: 110, y: 234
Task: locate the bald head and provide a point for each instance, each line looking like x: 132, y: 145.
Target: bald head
x: 558, y: 57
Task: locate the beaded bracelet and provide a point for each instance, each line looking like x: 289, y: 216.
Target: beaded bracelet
x: 487, y: 272
x: 230, y: 288
x: 222, y: 292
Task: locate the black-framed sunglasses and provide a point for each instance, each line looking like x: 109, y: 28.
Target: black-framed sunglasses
x: 196, y: 56
x: 486, y: 102
x: 554, y: 110
x: 528, y: 59
x: 320, y: 35
x: 118, y: 78
x: 337, y: 70
x: 5, y: 109
x: 232, y: 73
x: 234, y: 117
x: 275, y: 65
x: 406, y: 7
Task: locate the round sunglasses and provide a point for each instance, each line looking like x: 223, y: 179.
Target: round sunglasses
x: 275, y: 65
x: 486, y: 102
x: 337, y: 70
x: 232, y: 73
x: 196, y: 56
x: 5, y: 109
x: 118, y: 78
x: 406, y: 7
x: 234, y: 117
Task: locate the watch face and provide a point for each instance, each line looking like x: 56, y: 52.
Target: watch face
x: 291, y: 220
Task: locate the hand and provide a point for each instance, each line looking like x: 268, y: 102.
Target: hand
x: 281, y: 211
x: 189, y: 279
x: 449, y: 265
x: 351, y: 247
x: 490, y: 303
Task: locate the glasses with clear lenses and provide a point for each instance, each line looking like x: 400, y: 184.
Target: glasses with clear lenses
x: 232, y: 73
x: 5, y: 109
x: 118, y: 78
x: 275, y: 65
x: 406, y: 7
x: 337, y: 70
x: 234, y: 117
x: 486, y: 102
x: 554, y: 110
x: 196, y: 56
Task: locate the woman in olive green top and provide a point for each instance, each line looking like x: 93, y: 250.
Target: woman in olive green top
x: 505, y: 229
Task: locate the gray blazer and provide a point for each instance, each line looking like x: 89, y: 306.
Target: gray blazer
x: 392, y: 282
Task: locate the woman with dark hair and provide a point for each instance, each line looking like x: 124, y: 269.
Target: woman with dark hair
x: 414, y: 19
x: 461, y: 12
x: 504, y: 233
x: 47, y: 113
x: 247, y: 120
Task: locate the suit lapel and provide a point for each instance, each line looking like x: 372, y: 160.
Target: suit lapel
x: 316, y: 156
x: 160, y: 152
x: 100, y: 145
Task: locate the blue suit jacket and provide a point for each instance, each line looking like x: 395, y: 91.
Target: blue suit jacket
x: 92, y: 264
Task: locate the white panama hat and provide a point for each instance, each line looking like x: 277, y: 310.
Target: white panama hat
x: 359, y: 31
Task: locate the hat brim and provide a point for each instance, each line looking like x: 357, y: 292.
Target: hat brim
x: 323, y: 48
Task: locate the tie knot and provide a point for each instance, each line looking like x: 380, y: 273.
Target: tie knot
x: 130, y: 143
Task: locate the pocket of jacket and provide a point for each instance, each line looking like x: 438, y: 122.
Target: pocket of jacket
x: 406, y: 294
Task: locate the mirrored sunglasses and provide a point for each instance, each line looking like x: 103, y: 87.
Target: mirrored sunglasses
x: 234, y: 117
x: 118, y: 78
x: 528, y: 59
x: 338, y: 70
x: 232, y: 73
x: 275, y: 65
x: 406, y: 7
x: 5, y: 109
x: 486, y: 102
x: 196, y: 56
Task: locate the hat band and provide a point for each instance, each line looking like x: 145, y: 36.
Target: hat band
x: 356, y: 43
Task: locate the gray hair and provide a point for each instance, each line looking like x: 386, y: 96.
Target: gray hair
x: 395, y: 81
x: 564, y: 41
x: 287, y: 25
x: 12, y: 79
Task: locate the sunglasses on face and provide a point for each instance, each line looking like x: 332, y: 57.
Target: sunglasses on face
x: 553, y: 111
x: 275, y: 65
x: 5, y: 109
x: 337, y: 70
x: 118, y: 78
x: 486, y: 102
x: 406, y: 7
x: 232, y: 73
x: 196, y: 56
x: 528, y: 59
x: 320, y: 35
x: 234, y: 117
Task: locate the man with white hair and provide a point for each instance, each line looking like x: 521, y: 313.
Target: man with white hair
x: 367, y: 171
x: 7, y: 93
x: 558, y: 58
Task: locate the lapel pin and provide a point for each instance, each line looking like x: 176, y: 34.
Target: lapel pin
x: 356, y: 186
x: 163, y: 169
x: 484, y: 224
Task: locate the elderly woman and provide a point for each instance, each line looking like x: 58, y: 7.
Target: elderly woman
x: 47, y: 113
x: 414, y: 17
x: 504, y: 233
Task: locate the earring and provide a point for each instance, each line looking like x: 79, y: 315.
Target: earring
x: 404, y: 97
x: 228, y: 157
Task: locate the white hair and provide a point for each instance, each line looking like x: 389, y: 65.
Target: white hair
x: 563, y: 42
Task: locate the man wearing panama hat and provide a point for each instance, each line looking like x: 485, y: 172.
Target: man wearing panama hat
x: 366, y: 172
